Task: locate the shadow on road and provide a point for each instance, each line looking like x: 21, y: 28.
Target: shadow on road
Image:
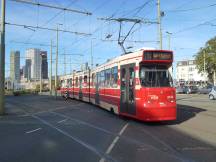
x: 184, y: 113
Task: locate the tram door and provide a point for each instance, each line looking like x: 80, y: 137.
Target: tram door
x: 97, y: 101
x: 127, y: 101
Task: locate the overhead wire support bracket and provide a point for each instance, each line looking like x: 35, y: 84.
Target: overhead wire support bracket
x: 113, y: 40
x: 51, y: 6
x: 45, y: 28
x: 129, y: 20
x: 121, y: 20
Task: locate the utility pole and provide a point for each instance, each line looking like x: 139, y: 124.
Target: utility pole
x: 56, y: 68
x: 169, y: 46
x: 91, y: 55
x: 41, y: 60
x: 65, y: 66
x: 169, y: 39
x: 214, y: 78
x: 159, y: 25
x: 2, y: 60
x: 204, y: 62
x: 50, y: 68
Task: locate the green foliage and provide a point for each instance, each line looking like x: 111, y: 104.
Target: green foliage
x: 24, y: 92
x: 209, y: 53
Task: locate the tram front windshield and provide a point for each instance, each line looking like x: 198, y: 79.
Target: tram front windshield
x: 155, y: 76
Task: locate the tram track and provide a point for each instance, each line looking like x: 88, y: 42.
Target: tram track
x: 174, y: 153
x: 89, y: 147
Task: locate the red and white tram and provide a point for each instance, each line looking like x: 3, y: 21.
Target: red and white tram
x: 137, y: 85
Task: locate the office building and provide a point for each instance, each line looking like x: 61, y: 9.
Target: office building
x: 15, y: 66
x: 36, y: 64
x: 27, y: 71
x: 187, y: 71
x: 44, y: 64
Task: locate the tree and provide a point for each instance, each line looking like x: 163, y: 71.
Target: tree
x: 207, y: 55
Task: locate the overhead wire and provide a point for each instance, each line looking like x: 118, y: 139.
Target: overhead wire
x: 52, y: 18
x: 104, y: 24
x: 138, y: 10
x: 182, y: 5
x: 193, y: 9
x: 195, y: 26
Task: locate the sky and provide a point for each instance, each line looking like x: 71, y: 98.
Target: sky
x: 191, y: 23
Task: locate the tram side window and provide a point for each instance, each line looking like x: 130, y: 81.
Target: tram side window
x: 62, y: 83
x: 107, y: 78
x: 102, y: 78
x: 70, y: 82
x: 97, y: 82
x: 80, y: 82
x: 114, y: 77
x: 76, y: 82
x: 93, y: 80
x: 85, y: 80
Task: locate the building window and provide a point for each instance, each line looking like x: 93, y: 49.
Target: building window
x: 191, y: 68
x: 190, y: 63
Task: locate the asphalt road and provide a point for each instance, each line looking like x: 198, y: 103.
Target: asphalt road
x: 39, y: 128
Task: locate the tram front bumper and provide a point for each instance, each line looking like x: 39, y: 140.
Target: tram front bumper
x: 158, y: 113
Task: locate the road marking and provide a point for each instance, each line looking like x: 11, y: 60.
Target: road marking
x: 61, y: 121
x: 33, y: 130
x: 196, y: 148
x: 24, y: 115
x: 123, y: 129
x: 91, y: 148
x: 176, y: 154
x: 59, y: 108
x: 112, y: 145
x: 102, y: 154
x: 82, y: 122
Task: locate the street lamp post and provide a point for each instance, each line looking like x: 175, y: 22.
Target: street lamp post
x: 169, y: 39
x: 2, y: 60
x: 41, y: 72
x: 169, y: 46
x: 92, y: 61
x: 41, y: 75
x: 56, y: 68
x: 50, y: 79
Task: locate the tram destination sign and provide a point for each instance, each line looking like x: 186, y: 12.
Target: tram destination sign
x: 156, y: 55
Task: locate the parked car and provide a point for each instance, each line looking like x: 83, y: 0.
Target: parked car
x: 205, y: 90
x: 190, y: 89
x: 180, y: 89
x: 212, y: 94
